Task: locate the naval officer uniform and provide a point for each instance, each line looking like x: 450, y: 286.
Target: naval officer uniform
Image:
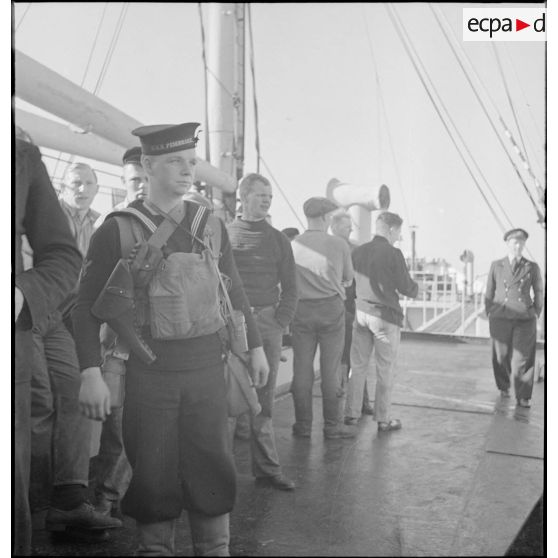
x: 513, y: 302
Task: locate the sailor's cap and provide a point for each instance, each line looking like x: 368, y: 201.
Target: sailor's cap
x: 318, y: 206
x: 132, y: 156
x: 516, y: 233
x: 167, y: 138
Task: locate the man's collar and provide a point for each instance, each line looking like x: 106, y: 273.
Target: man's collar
x: 380, y: 237
x: 80, y: 213
x: 252, y: 220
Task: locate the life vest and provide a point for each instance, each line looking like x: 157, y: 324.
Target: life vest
x: 181, y: 301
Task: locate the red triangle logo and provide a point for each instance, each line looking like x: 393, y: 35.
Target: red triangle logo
x: 519, y: 25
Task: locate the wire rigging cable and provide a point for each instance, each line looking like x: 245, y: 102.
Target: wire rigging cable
x: 256, y: 121
x: 528, y: 192
x: 112, y: 47
x: 527, y: 104
x: 108, y: 56
x: 541, y: 141
x: 399, y: 27
x: 524, y: 158
x: 86, y: 71
x: 383, y: 108
x: 283, y: 193
x: 94, y: 45
x: 508, y: 96
x: 255, y: 98
x: 23, y: 16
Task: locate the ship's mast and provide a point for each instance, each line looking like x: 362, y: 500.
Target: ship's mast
x: 225, y: 91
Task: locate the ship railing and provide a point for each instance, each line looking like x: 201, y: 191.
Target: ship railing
x: 441, y: 296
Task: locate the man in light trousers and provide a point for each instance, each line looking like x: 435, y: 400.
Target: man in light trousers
x: 381, y: 275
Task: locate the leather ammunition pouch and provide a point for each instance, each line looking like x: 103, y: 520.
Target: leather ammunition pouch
x: 115, y: 306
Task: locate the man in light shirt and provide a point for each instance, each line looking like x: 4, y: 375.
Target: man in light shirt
x: 79, y: 188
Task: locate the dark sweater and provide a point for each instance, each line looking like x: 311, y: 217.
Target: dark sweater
x: 264, y: 258
x: 381, y: 273
x: 185, y: 354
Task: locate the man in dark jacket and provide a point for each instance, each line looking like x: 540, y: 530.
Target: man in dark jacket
x: 381, y: 276
x: 266, y: 266
x: 513, y: 302
x: 38, y: 292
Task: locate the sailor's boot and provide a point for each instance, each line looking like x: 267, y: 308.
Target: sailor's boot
x: 210, y: 535
x: 156, y: 539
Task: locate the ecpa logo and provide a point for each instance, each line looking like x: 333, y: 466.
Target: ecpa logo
x: 504, y: 24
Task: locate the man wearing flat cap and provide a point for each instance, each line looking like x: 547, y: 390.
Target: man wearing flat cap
x: 175, y: 422
x: 513, y: 302
x: 323, y: 269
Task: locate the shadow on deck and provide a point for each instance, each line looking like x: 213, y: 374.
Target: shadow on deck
x: 459, y: 479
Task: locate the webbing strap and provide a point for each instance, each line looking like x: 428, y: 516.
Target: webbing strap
x: 149, y: 224
x: 160, y: 234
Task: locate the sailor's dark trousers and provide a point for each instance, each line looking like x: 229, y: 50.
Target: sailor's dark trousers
x: 175, y: 431
x: 514, y: 345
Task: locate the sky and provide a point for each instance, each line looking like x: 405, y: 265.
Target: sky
x: 320, y: 114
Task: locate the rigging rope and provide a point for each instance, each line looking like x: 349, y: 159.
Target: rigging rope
x: 502, y: 75
x: 112, y: 47
x: 283, y: 193
x: 541, y: 141
x: 539, y: 214
x: 383, y: 107
x: 94, y: 45
x: 23, y: 16
x: 91, y: 51
x: 108, y: 56
x: 253, y: 72
x: 397, y: 24
x: 535, y: 125
x: 256, y: 121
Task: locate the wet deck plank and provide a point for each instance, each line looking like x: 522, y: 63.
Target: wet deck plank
x: 459, y: 478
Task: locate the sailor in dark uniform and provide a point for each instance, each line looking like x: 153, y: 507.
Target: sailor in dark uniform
x: 513, y: 302
x: 175, y: 425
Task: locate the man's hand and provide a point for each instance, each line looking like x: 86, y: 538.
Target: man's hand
x: 94, y: 395
x: 259, y: 367
x: 19, y: 299
x: 422, y: 289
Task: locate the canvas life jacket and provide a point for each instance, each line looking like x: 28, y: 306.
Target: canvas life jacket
x: 182, y: 299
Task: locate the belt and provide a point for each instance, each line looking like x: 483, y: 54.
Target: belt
x: 320, y: 299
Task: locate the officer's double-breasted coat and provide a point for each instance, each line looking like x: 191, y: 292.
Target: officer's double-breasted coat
x: 513, y: 301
